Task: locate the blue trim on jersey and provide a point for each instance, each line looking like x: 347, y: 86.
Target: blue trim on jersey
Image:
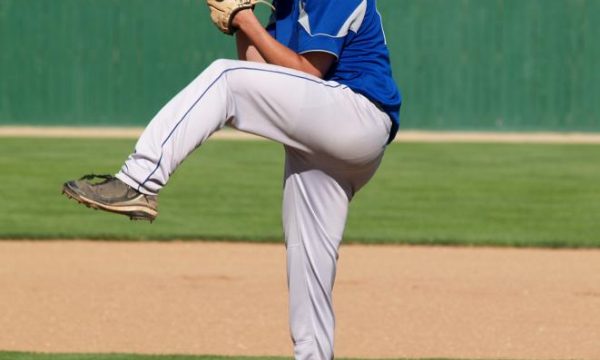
x: 210, y: 86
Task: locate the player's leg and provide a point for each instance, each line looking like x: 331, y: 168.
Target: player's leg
x: 315, y: 205
x: 281, y: 104
x: 287, y: 106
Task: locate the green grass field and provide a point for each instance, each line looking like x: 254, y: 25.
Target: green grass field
x: 458, y: 194
x: 38, y: 356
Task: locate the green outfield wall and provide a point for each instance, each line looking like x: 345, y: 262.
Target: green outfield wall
x: 462, y: 64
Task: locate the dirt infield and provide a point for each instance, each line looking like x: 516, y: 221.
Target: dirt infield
x: 231, y: 134
x: 224, y: 298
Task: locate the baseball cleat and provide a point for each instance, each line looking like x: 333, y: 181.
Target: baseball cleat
x: 113, y: 195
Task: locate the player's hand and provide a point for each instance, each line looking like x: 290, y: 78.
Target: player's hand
x: 223, y: 12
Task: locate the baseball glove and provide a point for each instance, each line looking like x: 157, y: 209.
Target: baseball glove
x: 223, y: 11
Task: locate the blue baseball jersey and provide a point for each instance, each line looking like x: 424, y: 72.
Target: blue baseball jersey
x: 352, y: 31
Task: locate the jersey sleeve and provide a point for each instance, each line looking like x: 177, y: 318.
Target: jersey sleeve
x: 324, y: 25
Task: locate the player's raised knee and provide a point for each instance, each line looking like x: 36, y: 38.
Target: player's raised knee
x: 222, y: 65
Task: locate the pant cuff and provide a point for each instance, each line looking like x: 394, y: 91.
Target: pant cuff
x: 134, y: 184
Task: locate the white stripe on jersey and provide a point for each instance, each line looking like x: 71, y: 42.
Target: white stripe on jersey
x: 353, y: 22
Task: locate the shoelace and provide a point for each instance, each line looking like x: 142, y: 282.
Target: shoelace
x: 106, y: 178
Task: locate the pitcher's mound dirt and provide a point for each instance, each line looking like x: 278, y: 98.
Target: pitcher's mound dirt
x: 230, y: 299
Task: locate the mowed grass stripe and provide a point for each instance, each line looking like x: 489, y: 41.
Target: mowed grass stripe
x: 425, y: 193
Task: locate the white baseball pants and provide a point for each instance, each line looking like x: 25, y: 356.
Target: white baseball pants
x: 334, y: 141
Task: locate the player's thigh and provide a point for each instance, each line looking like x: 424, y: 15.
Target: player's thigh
x: 313, y: 115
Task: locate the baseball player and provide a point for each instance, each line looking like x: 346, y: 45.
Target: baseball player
x: 317, y: 79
